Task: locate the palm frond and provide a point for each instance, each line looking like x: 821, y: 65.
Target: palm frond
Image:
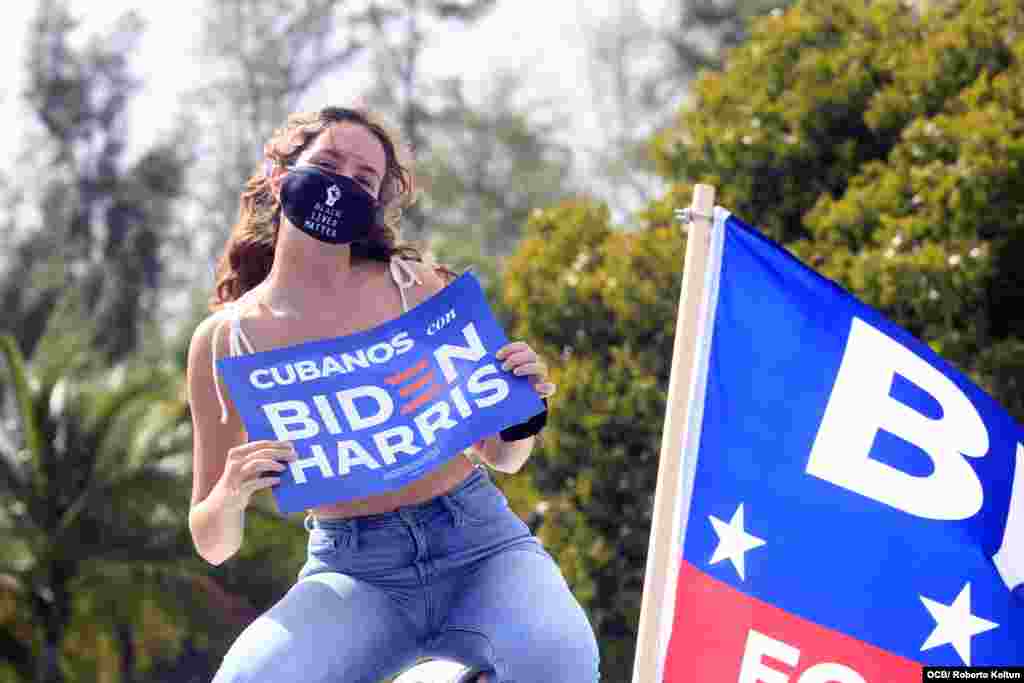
x: 127, y: 417
x: 149, y: 546
x: 146, y: 487
x: 13, y: 481
x: 18, y: 372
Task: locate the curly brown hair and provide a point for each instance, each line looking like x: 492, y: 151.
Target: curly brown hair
x: 249, y: 252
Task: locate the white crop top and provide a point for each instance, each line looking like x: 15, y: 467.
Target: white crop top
x: 238, y: 343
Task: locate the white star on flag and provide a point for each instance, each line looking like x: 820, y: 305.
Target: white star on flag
x: 955, y: 625
x: 733, y: 540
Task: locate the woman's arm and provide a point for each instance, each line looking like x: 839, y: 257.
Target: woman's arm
x: 226, y: 471
x: 510, y: 456
x: 505, y: 456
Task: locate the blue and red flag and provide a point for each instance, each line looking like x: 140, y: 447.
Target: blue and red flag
x: 852, y: 506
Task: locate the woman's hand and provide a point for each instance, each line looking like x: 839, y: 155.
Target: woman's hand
x: 251, y: 467
x: 520, y: 359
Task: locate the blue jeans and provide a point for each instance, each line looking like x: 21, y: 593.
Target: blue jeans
x: 458, y: 577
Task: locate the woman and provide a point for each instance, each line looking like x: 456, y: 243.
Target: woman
x: 441, y: 567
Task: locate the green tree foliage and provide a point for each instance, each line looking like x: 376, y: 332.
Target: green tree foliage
x: 640, y: 65
x: 882, y: 146
x: 599, y: 304
x: 402, y: 31
x: 90, y: 485
x: 885, y: 149
x: 487, y: 166
x: 102, y: 218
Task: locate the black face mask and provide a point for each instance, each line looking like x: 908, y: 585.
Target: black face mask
x: 328, y: 207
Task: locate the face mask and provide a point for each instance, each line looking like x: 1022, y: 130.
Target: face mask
x: 328, y: 207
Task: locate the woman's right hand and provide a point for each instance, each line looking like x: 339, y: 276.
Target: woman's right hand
x: 251, y: 467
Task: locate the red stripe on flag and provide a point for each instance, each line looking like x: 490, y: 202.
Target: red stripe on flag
x: 400, y: 377
x: 415, y: 386
x: 721, y: 634
x: 412, y: 405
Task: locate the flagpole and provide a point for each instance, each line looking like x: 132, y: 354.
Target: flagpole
x: 655, y: 605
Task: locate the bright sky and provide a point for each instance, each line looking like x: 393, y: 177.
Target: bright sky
x: 543, y: 34
x: 545, y: 37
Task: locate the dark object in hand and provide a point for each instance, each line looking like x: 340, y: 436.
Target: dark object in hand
x: 525, y: 430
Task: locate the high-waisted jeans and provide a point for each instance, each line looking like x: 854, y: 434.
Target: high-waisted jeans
x: 458, y: 577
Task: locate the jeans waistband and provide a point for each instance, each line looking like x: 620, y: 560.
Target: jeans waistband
x: 416, y: 512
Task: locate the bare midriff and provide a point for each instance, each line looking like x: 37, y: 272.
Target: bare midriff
x: 436, y: 483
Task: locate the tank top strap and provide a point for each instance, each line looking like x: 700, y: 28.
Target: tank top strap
x: 404, y: 276
x: 238, y: 344
x: 237, y: 339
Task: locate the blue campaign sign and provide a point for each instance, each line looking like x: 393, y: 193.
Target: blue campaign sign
x: 848, y: 475
x: 372, y: 411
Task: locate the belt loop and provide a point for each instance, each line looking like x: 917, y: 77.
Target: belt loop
x: 458, y: 519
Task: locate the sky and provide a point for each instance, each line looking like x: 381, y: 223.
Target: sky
x: 544, y: 35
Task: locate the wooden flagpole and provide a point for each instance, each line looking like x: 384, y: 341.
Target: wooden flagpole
x: 656, y: 605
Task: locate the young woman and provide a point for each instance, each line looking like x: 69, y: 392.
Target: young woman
x: 441, y: 567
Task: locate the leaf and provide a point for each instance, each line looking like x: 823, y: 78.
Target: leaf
x: 18, y: 374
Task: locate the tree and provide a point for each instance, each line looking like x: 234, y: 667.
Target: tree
x: 483, y: 164
x: 488, y: 166
x: 641, y: 64
x: 881, y: 145
x: 401, y: 30
x: 599, y: 303
x: 103, y: 220
x: 261, y: 60
x: 89, y: 487
x: 266, y: 59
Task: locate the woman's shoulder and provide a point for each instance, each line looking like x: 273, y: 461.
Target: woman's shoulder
x: 209, y: 332
x: 214, y: 329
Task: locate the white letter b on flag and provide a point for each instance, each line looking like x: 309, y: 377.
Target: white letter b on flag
x: 860, y: 406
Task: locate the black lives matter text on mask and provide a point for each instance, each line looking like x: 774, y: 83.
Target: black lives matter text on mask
x: 328, y: 207
x: 324, y: 220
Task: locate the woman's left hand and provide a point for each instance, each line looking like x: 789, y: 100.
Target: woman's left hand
x: 519, y: 359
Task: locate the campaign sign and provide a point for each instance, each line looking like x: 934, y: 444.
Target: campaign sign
x: 855, y: 505
x: 372, y: 411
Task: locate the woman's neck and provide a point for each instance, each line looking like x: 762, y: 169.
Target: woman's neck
x: 307, y: 271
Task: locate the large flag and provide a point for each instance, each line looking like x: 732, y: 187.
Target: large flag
x: 849, y: 507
